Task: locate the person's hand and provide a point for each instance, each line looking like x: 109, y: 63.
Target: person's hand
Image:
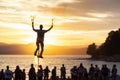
x: 52, y: 22
x: 32, y: 18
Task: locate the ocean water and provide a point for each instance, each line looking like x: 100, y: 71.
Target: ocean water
x: 24, y: 61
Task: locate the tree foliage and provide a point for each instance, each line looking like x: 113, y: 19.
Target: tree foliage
x: 91, y: 49
x: 110, y: 47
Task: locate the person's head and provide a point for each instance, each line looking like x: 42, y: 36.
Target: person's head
x: 75, y: 67
x: 2, y: 70
x: 91, y: 65
x: 31, y: 65
x: 81, y: 65
x: 63, y: 65
x: 41, y: 26
x: 46, y: 67
x: 40, y: 66
x: 17, y: 67
x: 114, y: 66
x: 105, y: 66
x: 96, y: 65
x: 23, y: 70
x: 7, y: 67
x: 54, y: 67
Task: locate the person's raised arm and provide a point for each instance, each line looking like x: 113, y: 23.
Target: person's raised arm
x: 51, y: 26
x: 33, y: 24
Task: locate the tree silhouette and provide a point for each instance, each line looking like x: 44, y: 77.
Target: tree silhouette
x: 110, y: 47
x: 91, y: 49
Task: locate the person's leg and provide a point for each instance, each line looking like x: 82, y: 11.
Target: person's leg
x: 37, y: 44
x: 42, y: 48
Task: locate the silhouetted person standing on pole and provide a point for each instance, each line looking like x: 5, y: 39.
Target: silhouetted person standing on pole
x: 40, y: 37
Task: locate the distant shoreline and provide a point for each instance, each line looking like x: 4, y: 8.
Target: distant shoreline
x: 113, y: 58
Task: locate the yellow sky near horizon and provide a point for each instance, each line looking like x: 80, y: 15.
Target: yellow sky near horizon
x: 76, y: 22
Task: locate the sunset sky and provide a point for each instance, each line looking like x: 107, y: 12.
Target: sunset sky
x: 76, y: 22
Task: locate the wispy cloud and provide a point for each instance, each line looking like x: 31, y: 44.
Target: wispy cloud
x: 70, y: 17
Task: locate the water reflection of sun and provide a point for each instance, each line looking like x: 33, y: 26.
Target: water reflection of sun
x: 38, y: 61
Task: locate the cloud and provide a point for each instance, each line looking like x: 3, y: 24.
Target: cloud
x: 99, y: 15
x: 83, y: 38
x: 80, y: 8
x: 72, y: 15
x: 104, y: 5
x: 73, y: 10
x: 103, y: 13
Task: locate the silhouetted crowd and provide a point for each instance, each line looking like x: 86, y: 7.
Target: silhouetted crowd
x: 77, y: 73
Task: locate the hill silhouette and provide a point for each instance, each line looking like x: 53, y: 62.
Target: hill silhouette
x: 109, y: 50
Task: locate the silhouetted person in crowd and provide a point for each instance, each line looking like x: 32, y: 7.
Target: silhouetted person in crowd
x: 46, y: 73
x: 77, y: 73
x: 40, y: 73
x: 85, y: 74
x: 18, y: 73
x: 68, y: 78
x: 58, y: 78
x: 114, y: 73
x: 23, y: 75
x: 74, y: 73
x: 91, y: 72
x: 53, y: 77
x: 2, y: 75
x: 63, y: 72
x: 40, y: 37
x: 8, y: 74
x: 96, y: 72
x: 80, y: 71
x: 32, y: 74
x: 105, y: 72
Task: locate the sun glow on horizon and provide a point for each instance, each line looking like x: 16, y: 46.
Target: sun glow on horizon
x: 47, y: 40
x: 76, y: 22
x: 52, y: 41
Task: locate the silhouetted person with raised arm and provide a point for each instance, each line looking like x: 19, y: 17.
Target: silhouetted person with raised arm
x: 40, y: 37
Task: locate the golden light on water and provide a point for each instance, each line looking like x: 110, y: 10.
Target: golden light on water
x: 38, y: 61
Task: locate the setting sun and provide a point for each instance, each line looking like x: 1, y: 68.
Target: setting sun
x: 49, y: 40
x: 42, y: 39
x: 76, y: 22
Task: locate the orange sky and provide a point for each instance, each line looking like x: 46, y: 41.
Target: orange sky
x: 76, y: 22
